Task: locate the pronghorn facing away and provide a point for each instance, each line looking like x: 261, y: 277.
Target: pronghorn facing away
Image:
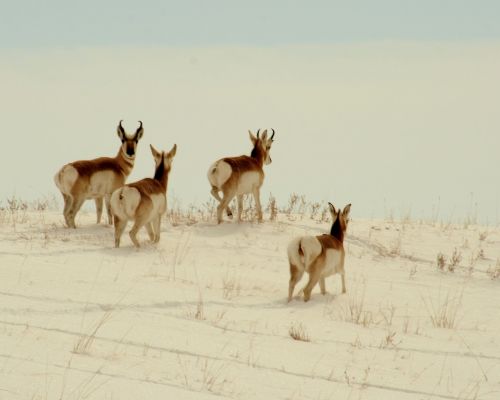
x: 321, y: 256
x: 236, y: 176
x: 97, y: 179
x: 144, y: 201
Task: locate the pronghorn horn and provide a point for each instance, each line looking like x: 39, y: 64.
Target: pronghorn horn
x: 139, y: 131
x: 140, y: 125
x: 258, y: 130
x: 120, y: 125
x: 272, y: 134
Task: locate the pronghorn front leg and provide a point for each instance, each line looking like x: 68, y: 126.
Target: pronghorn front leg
x: 107, y: 200
x: 322, y: 285
x: 98, y: 208
x: 215, y: 193
x: 157, y: 225
x: 256, y: 196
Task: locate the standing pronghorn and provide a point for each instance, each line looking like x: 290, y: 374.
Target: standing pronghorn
x: 97, y: 179
x: 321, y: 256
x: 236, y: 176
x: 144, y: 201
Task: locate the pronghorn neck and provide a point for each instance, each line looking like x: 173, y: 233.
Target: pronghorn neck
x: 336, y: 231
x: 161, y: 174
x: 126, y: 162
x: 257, y: 153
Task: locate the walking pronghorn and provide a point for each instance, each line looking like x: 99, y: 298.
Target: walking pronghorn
x: 321, y: 256
x: 97, y: 179
x: 144, y: 201
x: 236, y: 176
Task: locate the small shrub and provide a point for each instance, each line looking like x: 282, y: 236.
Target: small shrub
x: 455, y: 259
x: 494, y: 271
x: 297, y: 331
x: 441, y: 261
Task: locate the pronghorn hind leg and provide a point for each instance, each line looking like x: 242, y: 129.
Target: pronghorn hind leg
x: 98, y: 208
x: 138, y: 224
x: 215, y: 193
x: 342, y: 277
x: 151, y: 234
x: 314, y: 276
x: 157, y: 225
x: 68, y: 202
x: 295, y: 276
x: 223, y: 206
x: 256, y: 196
x: 107, y: 200
x: 322, y: 285
x: 75, y: 207
x: 119, y: 228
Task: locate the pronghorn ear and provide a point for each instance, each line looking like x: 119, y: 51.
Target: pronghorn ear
x: 347, y: 210
x: 253, y: 139
x: 120, y: 131
x: 139, y: 132
x: 264, y: 136
x: 332, y: 209
x: 156, y: 153
x: 172, y: 152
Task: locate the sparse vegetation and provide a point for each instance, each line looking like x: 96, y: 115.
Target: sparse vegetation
x: 297, y: 331
x: 494, y: 270
x: 444, y: 312
x: 85, y: 341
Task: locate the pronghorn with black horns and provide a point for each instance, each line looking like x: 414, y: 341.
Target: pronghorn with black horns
x: 97, y: 179
x: 321, y: 256
x: 144, y: 201
x: 236, y: 176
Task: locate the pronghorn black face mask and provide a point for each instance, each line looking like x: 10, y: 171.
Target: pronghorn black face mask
x: 129, y: 145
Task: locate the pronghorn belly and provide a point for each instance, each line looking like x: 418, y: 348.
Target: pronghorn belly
x: 218, y: 173
x: 332, y: 263
x: 66, y: 178
x: 248, y: 182
x: 101, y: 183
x: 311, y: 247
x: 124, y: 202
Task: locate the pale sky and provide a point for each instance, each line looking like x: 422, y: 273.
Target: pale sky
x: 393, y: 108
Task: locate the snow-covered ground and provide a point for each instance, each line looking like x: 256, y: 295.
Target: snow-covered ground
x: 203, y: 314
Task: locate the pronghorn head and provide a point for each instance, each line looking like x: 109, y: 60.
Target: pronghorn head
x: 262, y: 145
x: 340, y: 219
x: 163, y: 160
x: 129, y: 144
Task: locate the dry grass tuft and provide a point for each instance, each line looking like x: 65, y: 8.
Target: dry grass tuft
x: 85, y: 341
x: 298, y: 332
x: 494, y: 271
x: 444, y: 313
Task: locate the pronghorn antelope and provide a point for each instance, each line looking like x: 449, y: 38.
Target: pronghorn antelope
x: 144, y: 201
x: 236, y: 176
x: 321, y: 256
x: 97, y: 179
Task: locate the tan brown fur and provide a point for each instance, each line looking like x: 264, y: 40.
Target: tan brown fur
x: 143, y: 201
x: 320, y: 256
x: 96, y: 179
x: 235, y: 183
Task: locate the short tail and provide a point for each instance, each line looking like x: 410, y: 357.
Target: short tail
x: 296, y: 253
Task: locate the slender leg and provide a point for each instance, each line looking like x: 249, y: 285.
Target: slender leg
x: 256, y: 195
x: 314, y: 275
x: 68, y: 202
x: 222, y: 206
x: 107, y: 200
x: 240, y: 206
x: 98, y: 208
x: 157, y: 226
x: 215, y: 193
x: 138, y: 224
x: 342, y: 276
x: 77, y: 204
x: 295, y: 276
x: 119, y: 228
x: 151, y: 234
x: 322, y: 285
